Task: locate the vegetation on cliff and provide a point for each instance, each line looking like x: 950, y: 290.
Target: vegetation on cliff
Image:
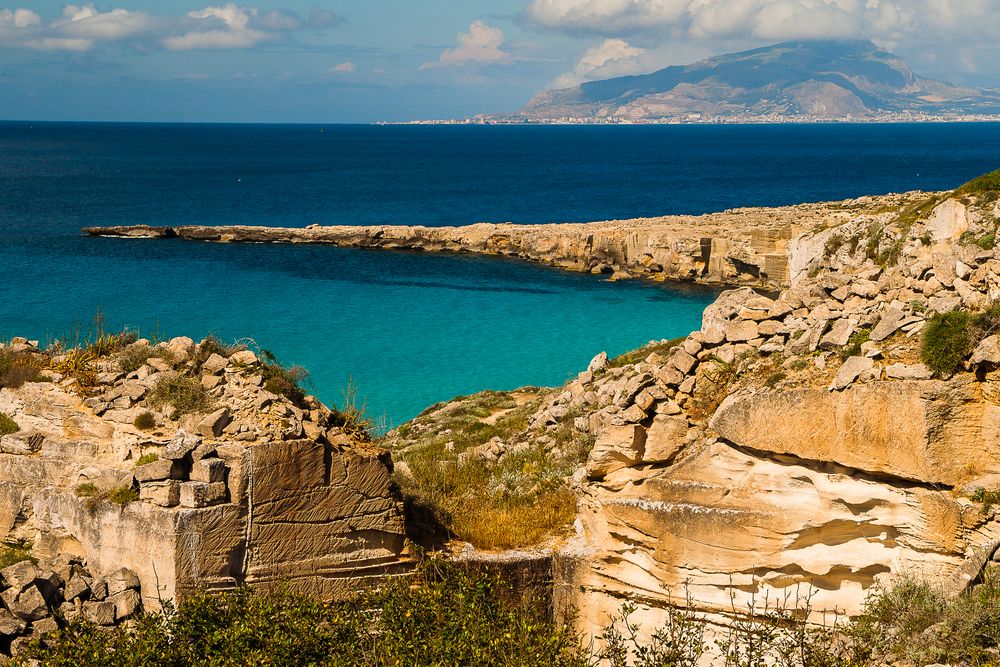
x: 452, y: 477
x: 951, y: 337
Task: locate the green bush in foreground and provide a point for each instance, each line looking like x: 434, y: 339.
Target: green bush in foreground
x: 453, y: 617
x: 450, y: 616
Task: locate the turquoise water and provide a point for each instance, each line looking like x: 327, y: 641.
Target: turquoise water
x: 411, y: 329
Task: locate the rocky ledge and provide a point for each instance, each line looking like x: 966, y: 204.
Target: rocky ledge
x: 798, y: 441
x: 752, y: 246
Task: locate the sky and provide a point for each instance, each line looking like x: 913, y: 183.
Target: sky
x: 328, y: 61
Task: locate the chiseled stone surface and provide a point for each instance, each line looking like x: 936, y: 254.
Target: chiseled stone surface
x: 257, y: 489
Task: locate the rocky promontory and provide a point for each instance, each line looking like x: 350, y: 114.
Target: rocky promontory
x: 753, y: 246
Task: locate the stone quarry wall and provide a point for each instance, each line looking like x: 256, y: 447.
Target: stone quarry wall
x: 262, y: 490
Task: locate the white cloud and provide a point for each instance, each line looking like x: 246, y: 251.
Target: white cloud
x: 226, y: 27
x: 770, y: 19
x: 613, y: 57
x: 82, y: 27
x: 481, y: 44
x: 343, y: 68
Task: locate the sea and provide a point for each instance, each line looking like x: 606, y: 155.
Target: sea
x: 406, y: 329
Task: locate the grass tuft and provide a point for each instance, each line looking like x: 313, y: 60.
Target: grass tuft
x: 145, y: 421
x: 7, y: 424
x: 185, y: 394
x: 123, y: 495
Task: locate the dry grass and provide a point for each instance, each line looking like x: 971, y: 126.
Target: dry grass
x: 516, y: 501
x: 185, y: 394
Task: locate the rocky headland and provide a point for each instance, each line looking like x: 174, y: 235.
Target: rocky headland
x: 750, y: 246
x: 833, y: 433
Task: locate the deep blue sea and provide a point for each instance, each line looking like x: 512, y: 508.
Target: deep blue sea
x: 410, y: 329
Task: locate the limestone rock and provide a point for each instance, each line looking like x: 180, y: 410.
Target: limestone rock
x: 908, y: 372
x: 159, y: 470
x: 212, y: 425
x: 600, y: 362
x: 616, y: 447
x: 890, y: 322
x: 99, y: 613
x: 664, y: 438
x: 215, y: 364
x: 243, y: 358
x: 208, y: 471
x: 181, y: 446
x: 122, y: 579
x: 126, y: 603
x: 11, y: 625
x: 988, y: 351
x: 200, y: 494
x: 741, y: 331
x: 164, y: 494
x: 850, y: 371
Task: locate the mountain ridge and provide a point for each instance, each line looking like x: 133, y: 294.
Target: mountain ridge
x: 808, y: 79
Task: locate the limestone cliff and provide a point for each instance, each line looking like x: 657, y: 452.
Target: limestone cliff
x: 797, y: 440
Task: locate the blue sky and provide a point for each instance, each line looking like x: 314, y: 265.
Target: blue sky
x: 369, y: 60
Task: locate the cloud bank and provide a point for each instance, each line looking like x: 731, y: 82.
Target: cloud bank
x: 768, y: 19
x: 81, y: 28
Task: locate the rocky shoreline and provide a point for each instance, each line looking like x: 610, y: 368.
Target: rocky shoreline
x: 801, y: 439
x: 754, y: 246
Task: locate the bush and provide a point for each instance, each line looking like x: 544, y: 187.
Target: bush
x: 185, y: 394
x: 8, y: 425
x: 986, y: 183
x: 134, y: 357
x: 516, y: 501
x: 951, y: 337
x: 145, y: 421
x: 453, y: 617
x: 123, y: 495
x: 14, y: 551
x: 87, y: 490
x: 17, y: 368
x: 946, y: 342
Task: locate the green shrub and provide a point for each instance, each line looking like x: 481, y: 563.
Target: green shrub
x: 14, y: 551
x: 133, y: 357
x: 185, y: 394
x: 146, y: 459
x: 947, y: 341
x: 123, y: 495
x: 986, y: 183
x: 87, y: 490
x: 854, y: 343
x: 453, y: 617
x: 987, y: 498
x: 8, y: 425
x: 145, y: 421
x: 950, y: 337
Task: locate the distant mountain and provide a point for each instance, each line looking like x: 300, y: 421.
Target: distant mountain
x: 818, y: 79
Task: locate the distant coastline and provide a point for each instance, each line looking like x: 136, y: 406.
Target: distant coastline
x: 769, y: 119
